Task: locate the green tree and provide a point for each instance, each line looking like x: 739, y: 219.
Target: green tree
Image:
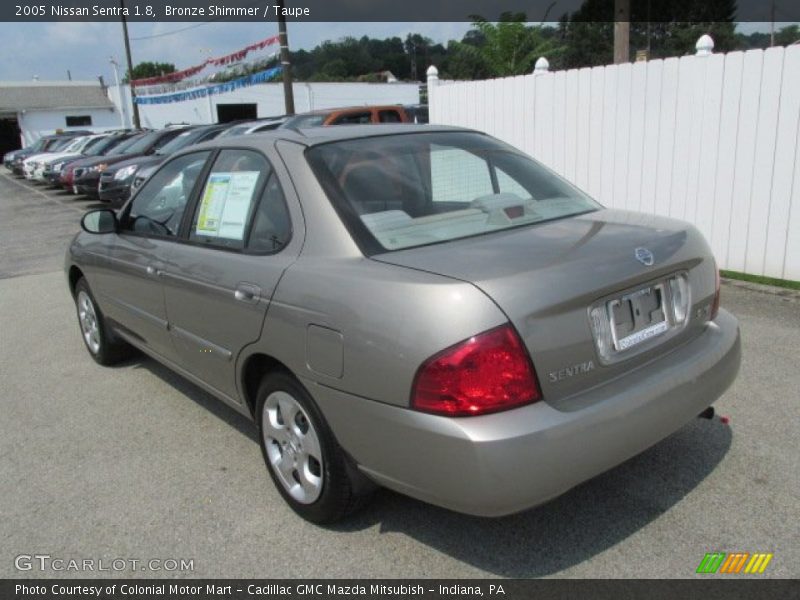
x: 422, y: 52
x: 787, y: 35
x: 150, y: 69
x: 510, y: 47
x: 664, y: 28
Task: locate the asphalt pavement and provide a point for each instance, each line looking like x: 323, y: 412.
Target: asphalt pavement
x: 135, y: 463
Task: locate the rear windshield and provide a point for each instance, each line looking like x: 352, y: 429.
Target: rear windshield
x: 104, y: 145
x: 60, y: 144
x: 144, y: 143
x: 304, y: 121
x: 124, y: 146
x: 187, y: 138
x: 235, y: 130
x: 92, y: 144
x: 402, y: 191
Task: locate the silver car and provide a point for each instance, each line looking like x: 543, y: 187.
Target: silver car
x: 422, y: 308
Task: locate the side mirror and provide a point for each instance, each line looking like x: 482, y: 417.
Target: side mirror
x: 103, y: 220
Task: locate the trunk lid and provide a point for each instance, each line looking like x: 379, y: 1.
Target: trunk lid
x: 547, y: 277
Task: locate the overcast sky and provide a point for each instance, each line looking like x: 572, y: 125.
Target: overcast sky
x: 48, y: 50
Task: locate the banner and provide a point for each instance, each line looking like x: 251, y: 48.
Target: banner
x: 219, y: 88
x: 395, y: 589
x: 217, y: 62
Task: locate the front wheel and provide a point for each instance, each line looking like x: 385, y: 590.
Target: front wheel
x: 102, y: 345
x: 303, y: 458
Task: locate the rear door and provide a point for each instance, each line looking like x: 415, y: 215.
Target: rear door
x: 219, y: 282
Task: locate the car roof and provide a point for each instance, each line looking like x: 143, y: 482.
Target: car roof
x: 314, y: 136
x: 347, y: 109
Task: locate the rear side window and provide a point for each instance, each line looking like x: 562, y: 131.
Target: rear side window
x: 228, y: 199
x: 353, y: 119
x: 271, y: 227
x: 242, y: 206
x: 389, y: 116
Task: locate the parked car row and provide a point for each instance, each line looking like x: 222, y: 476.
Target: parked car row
x: 111, y: 165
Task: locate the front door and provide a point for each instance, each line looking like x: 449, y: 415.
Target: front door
x: 132, y: 290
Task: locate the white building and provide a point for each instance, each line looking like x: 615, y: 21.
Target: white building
x: 31, y: 109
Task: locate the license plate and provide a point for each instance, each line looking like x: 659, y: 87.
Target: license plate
x: 637, y: 317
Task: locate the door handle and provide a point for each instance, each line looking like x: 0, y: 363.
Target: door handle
x: 247, y: 292
x: 151, y: 270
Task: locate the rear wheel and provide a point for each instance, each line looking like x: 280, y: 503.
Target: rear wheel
x: 303, y: 458
x: 103, y: 346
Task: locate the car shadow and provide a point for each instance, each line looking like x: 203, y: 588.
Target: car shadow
x: 572, y: 528
x: 216, y: 407
x: 564, y: 532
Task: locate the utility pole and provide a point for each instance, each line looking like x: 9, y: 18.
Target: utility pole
x: 286, y: 65
x: 622, y: 31
x: 772, y: 25
x: 122, y: 115
x: 136, y: 123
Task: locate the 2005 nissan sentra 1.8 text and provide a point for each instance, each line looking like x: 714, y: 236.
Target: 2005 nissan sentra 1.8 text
x: 422, y: 308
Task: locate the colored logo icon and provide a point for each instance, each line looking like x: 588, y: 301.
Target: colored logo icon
x: 734, y: 562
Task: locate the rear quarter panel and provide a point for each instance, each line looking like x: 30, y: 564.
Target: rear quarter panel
x: 389, y: 318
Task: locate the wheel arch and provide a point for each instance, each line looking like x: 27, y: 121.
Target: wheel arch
x: 253, y: 370
x: 74, y: 274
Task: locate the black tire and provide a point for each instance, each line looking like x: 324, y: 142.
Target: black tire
x: 110, y: 348
x: 343, y: 490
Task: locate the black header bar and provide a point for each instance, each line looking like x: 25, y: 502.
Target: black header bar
x: 395, y: 11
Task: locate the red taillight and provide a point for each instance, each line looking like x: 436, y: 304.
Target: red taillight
x: 715, y: 303
x: 486, y: 373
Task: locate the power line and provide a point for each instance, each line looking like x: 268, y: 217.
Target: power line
x: 174, y: 31
x: 196, y: 25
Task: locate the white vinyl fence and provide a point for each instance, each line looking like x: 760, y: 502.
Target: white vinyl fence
x: 711, y: 139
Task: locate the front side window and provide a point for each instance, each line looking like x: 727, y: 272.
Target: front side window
x: 158, y: 208
x: 401, y: 191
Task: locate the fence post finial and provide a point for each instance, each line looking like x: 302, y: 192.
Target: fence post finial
x: 704, y: 46
x: 542, y: 66
x: 433, y: 81
x: 433, y: 75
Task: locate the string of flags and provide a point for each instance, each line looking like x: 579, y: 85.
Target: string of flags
x: 218, y: 88
x: 217, y: 62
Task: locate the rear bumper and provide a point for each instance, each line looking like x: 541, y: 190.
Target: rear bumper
x: 504, y: 463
